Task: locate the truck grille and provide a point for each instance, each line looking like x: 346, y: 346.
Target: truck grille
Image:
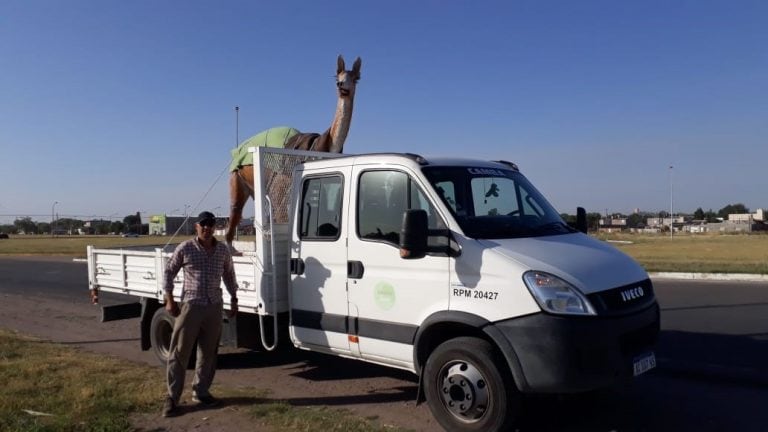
x: 624, y: 299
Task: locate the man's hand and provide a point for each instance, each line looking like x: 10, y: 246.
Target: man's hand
x: 171, y: 306
x: 232, y: 310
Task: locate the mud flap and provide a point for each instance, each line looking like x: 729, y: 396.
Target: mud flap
x: 120, y: 312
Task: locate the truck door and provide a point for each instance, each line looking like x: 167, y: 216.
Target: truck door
x: 390, y: 295
x: 319, y: 308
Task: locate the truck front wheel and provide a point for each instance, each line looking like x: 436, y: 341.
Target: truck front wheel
x: 468, y: 388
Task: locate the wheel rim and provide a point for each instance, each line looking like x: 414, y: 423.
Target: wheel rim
x: 464, y: 391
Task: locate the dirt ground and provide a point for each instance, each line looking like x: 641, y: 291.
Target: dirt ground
x: 298, y: 378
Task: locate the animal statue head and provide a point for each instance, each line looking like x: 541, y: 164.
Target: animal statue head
x: 346, y: 80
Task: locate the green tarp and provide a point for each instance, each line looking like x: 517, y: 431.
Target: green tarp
x: 274, y: 137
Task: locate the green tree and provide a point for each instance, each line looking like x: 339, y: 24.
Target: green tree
x: 116, y: 227
x: 132, y: 223
x: 710, y: 216
x: 569, y: 219
x: 43, y: 227
x: 698, y: 214
x: 101, y: 226
x: 635, y: 219
x: 25, y: 225
x: 731, y: 209
x: 593, y: 220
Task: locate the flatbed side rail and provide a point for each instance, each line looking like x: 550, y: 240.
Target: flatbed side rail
x: 122, y: 271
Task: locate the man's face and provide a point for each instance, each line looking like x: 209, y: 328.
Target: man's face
x: 205, y: 229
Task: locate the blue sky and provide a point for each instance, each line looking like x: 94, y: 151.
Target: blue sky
x: 113, y: 107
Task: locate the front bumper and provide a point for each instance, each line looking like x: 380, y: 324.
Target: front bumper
x: 557, y: 354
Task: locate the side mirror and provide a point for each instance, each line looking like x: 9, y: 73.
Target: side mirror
x: 581, y: 219
x: 413, y: 234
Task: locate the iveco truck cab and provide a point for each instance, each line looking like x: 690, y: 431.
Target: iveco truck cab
x: 462, y: 272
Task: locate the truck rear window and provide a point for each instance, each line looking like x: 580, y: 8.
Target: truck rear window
x: 320, y: 212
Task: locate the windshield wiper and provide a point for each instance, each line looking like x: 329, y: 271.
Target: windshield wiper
x: 557, y: 227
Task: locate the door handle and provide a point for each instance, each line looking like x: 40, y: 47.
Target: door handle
x: 355, y: 269
x: 297, y: 266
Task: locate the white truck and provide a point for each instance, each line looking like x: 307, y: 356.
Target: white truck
x: 457, y: 270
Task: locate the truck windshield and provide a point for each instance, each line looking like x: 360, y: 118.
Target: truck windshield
x: 494, y: 203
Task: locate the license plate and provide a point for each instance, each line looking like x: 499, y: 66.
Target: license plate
x: 644, y: 363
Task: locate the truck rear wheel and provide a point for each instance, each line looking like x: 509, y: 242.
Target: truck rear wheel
x: 468, y: 388
x: 160, y: 332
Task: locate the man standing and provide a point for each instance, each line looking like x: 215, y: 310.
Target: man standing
x: 206, y: 262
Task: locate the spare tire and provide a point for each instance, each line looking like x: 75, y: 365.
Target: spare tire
x: 160, y: 332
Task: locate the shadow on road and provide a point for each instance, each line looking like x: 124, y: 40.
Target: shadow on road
x: 400, y: 394
x: 92, y: 342
x: 736, y: 359
x: 310, y: 365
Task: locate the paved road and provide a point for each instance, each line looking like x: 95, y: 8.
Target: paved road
x: 712, y: 375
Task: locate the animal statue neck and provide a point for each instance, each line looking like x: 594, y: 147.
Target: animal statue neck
x: 340, y: 125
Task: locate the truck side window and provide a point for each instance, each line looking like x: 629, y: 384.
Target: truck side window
x: 320, y: 213
x: 383, y: 197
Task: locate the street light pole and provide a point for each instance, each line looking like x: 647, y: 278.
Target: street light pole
x: 52, y: 220
x: 671, y: 208
x: 237, y: 126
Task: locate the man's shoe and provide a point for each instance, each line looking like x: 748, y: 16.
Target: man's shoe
x: 169, y: 408
x: 206, y: 401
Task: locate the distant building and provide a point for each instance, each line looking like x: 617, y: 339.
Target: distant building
x: 758, y: 215
x: 745, y: 222
x: 696, y: 226
x: 170, y: 225
x: 664, y: 222
x: 612, y: 224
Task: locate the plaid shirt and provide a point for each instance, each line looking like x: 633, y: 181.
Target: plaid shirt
x: 203, y: 272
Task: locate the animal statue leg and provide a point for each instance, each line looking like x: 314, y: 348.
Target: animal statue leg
x: 239, y: 191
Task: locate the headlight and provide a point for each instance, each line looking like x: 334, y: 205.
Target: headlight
x: 557, y: 296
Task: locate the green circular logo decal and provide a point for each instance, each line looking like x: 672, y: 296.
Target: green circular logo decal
x: 384, y: 295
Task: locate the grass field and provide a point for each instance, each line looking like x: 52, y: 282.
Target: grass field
x: 680, y: 253
x: 74, y: 246
x: 49, y: 387
x: 69, y: 390
x: 697, y: 253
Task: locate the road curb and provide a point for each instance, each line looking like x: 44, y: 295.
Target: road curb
x: 736, y: 277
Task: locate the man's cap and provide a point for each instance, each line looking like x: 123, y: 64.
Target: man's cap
x: 205, y: 216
